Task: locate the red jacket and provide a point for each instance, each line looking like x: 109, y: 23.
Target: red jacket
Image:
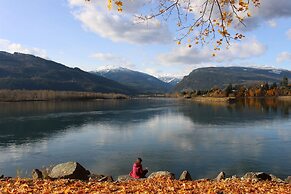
x: 137, y: 171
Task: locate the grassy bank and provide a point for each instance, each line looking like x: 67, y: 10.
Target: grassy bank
x: 230, y: 100
x: 159, y: 185
x: 48, y: 95
x: 284, y: 98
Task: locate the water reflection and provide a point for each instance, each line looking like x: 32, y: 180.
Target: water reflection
x: 244, y: 111
x: 176, y: 135
x: 26, y: 122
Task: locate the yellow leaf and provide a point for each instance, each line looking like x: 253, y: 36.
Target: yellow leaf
x: 109, y: 4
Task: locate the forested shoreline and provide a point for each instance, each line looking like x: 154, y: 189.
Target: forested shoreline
x: 262, y: 90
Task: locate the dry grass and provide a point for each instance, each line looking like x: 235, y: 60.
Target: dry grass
x: 48, y: 95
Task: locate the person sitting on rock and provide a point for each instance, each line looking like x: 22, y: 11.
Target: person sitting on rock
x: 137, y: 171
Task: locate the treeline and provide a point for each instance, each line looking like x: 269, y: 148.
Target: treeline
x: 48, y: 95
x: 240, y: 91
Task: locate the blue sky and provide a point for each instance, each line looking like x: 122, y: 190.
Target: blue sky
x: 91, y: 37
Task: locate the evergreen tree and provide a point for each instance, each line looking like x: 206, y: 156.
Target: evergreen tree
x: 228, y: 89
x: 274, y: 85
x: 284, y: 82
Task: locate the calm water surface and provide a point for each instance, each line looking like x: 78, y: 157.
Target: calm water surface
x: 107, y: 136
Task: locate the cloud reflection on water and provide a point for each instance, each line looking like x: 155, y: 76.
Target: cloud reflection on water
x: 168, y: 134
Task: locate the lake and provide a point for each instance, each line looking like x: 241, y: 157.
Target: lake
x: 107, y: 136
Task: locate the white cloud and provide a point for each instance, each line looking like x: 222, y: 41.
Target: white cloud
x: 272, y: 23
x: 153, y: 71
x: 112, y: 61
x: 268, y: 11
x: 119, y: 27
x: 192, y: 56
x: 97, y: 18
x: 283, y: 57
x: 11, y: 47
x: 288, y: 33
x: 106, y: 57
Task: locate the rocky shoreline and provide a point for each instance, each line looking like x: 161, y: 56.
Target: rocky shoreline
x: 73, y: 171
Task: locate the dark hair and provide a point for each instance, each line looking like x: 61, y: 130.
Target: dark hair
x: 139, y: 159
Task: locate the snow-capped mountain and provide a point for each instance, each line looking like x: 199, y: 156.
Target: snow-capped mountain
x: 171, y: 79
x: 108, y: 70
x: 141, y: 82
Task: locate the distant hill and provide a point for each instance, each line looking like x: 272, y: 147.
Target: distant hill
x: 22, y: 71
x: 141, y: 82
x: 171, y: 80
x: 206, y: 78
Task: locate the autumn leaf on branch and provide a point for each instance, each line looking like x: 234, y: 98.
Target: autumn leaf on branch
x: 198, y: 21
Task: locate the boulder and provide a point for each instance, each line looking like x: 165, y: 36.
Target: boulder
x: 260, y: 176
x: 36, y: 174
x: 220, y: 176
x: 263, y: 176
x: 276, y: 179
x: 185, y: 176
x: 123, y: 178
x: 4, y: 178
x: 69, y: 170
x: 95, y: 176
x: 288, y: 180
x: 106, y: 179
x: 100, y: 178
x: 250, y: 175
x: 234, y: 176
x: 165, y: 174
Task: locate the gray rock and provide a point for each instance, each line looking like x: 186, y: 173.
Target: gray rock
x: 249, y: 175
x: 95, y: 176
x: 261, y: 176
x: 4, y: 178
x: 276, y: 179
x: 234, y: 177
x: 165, y: 174
x: 106, y: 179
x: 123, y: 178
x: 220, y: 176
x: 100, y: 178
x: 36, y: 174
x: 69, y: 170
x: 288, y: 180
x: 185, y: 176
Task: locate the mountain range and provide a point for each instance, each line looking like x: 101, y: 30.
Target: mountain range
x: 23, y: 71
x: 171, y: 80
x: 141, y: 82
x: 209, y: 77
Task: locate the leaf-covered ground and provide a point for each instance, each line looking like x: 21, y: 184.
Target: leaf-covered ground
x: 146, y: 186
